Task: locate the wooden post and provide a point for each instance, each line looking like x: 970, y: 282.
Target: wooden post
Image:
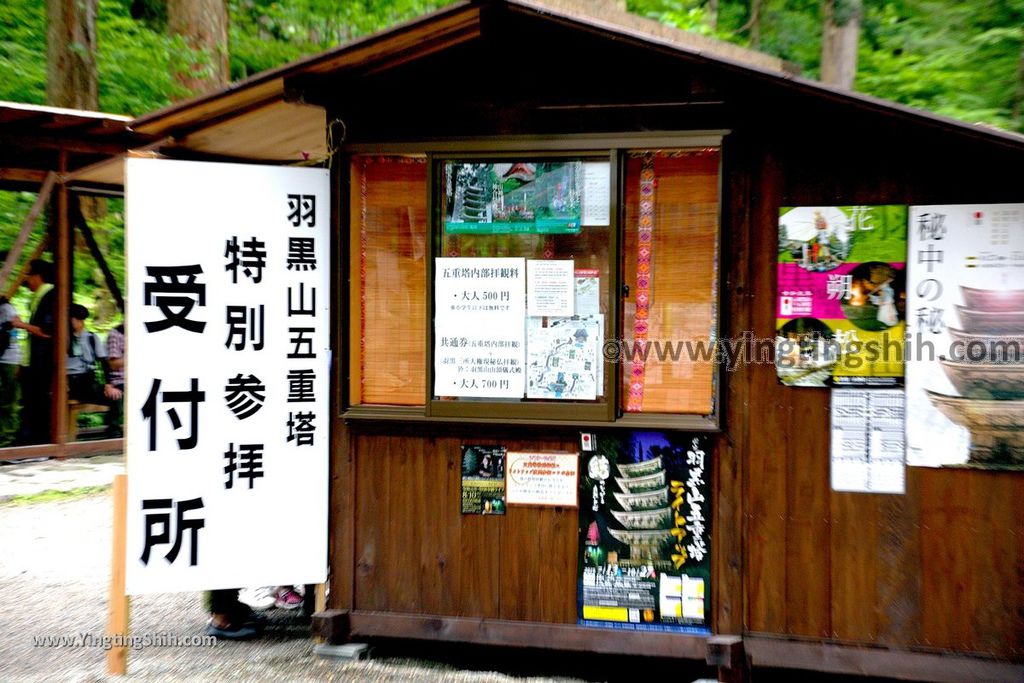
x: 117, y: 609
x: 727, y: 653
x: 61, y: 327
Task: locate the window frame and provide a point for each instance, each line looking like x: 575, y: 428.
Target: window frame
x: 605, y: 414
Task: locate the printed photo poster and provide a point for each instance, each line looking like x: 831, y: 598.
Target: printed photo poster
x: 841, y: 306
x: 965, y: 373
x: 645, y: 523
x: 483, y: 480
x: 516, y: 197
x: 226, y: 401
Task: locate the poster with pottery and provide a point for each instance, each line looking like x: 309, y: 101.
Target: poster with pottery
x: 965, y: 368
x: 841, y: 296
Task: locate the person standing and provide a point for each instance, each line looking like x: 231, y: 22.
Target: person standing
x: 10, y: 359
x: 114, y: 390
x: 37, y: 370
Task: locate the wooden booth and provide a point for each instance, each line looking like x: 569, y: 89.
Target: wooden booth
x: 61, y: 155
x: 681, y: 152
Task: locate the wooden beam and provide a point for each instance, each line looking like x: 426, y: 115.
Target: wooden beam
x: 64, y: 144
x: 23, y: 175
x: 79, y: 449
x: 151, y: 148
x: 27, y: 226
x: 78, y: 220
x: 16, y: 282
x: 873, y: 661
x: 527, y: 634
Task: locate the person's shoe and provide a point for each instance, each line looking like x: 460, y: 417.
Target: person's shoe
x: 231, y: 631
x: 286, y: 598
x: 258, y: 598
x: 249, y: 617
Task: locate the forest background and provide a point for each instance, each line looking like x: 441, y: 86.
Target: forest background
x: 964, y: 59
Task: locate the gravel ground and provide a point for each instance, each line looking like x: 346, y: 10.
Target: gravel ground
x: 54, y: 569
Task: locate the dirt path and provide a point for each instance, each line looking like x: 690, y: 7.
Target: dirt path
x: 54, y: 568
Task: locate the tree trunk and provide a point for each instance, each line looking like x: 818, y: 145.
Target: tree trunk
x: 753, y: 24
x: 713, y: 14
x: 71, y: 76
x: 839, y: 37
x: 204, y: 26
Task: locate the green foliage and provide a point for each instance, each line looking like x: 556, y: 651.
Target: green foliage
x: 23, y: 65
x: 961, y: 59
x: 958, y: 59
x: 266, y: 33
x: 136, y: 63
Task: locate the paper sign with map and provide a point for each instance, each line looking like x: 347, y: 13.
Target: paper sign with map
x: 562, y: 361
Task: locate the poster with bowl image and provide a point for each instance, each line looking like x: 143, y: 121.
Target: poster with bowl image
x: 841, y: 304
x: 965, y: 369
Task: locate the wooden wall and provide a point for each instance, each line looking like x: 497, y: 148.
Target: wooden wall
x: 941, y: 567
x: 415, y: 553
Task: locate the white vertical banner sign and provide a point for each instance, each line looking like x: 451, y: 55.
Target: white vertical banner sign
x: 227, y: 375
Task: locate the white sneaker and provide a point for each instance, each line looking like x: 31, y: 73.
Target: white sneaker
x: 258, y: 598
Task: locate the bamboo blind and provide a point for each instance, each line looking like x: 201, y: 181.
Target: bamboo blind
x: 683, y: 290
x: 388, y: 292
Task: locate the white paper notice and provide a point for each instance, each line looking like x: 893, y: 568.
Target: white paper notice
x: 596, y: 193
x: 550, y: 288
x: 479, y: 330
x: 867, y: 440
x: 542, y: 479
x: 588, y: 291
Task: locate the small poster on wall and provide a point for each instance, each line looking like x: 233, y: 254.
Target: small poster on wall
x: 483, y: 480
x: 645, y: 516
x: 548, y: 479
x: 867, y: 440
x: 841, y: 304
x: 965, y: 373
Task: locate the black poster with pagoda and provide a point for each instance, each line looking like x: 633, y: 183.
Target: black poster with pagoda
x: 645, y: 516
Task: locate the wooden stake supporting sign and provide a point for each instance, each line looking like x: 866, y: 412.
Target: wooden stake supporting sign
x: 117, y: 610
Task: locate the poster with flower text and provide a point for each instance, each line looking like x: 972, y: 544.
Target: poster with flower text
x: 841, y: 304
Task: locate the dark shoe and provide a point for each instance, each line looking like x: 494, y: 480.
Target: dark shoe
x: 249, y: 617
x: 237, y: 631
